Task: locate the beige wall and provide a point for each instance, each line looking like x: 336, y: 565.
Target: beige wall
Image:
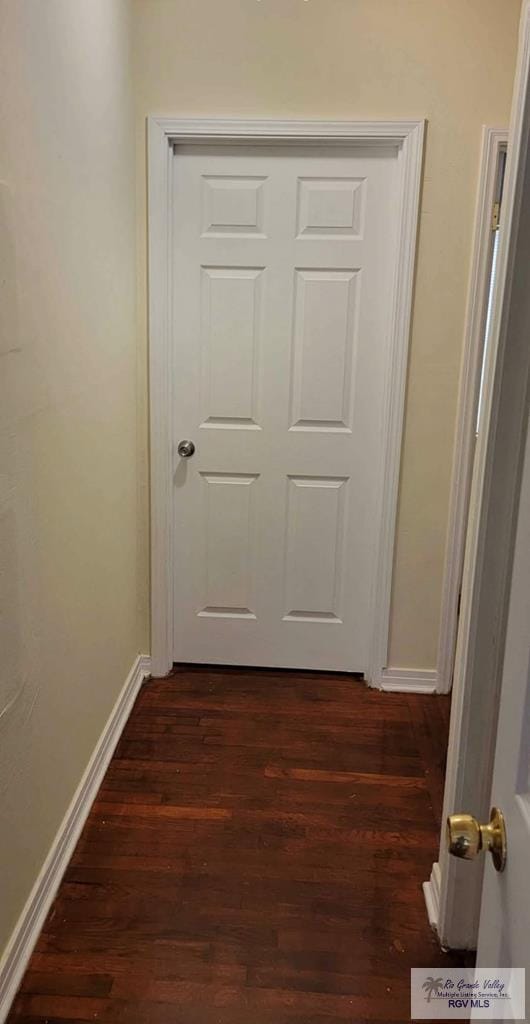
x: 450, y: 61
x: 68, y: 614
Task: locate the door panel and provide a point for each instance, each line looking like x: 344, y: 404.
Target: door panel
x: 330, y: 207
x: 232, y: 206
x: 324, y: 341
x: 230, y: 344
x: 282, y: 295
x: 314, y: 556
x: 229, y: 544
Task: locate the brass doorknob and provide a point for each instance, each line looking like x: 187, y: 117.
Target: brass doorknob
x: 466, y: 837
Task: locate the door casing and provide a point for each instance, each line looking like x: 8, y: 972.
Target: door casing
x: 164, y: 136
x: 494, y: 141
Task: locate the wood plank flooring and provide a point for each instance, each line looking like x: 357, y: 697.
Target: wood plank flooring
x: 255, y: 856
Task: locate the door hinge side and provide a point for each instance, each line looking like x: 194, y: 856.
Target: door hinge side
x: 495, y: 216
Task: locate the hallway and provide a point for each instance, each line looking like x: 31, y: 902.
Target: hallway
x: 255, y: 856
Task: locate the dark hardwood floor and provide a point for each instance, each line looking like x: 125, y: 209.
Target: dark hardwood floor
x: 255, y: 856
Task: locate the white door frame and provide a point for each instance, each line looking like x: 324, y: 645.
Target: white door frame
x: 164, y: 133
x: 494, y: 140
x: 454, y: 891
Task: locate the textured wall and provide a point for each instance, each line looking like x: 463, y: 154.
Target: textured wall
x: 68, y: 509
x: 451, y: 62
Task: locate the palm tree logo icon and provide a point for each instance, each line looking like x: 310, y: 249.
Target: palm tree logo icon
x: 432, y: 987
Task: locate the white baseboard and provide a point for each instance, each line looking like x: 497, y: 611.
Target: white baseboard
x: 409, y: 680
x: 31, y: 920
x: 431, y: 893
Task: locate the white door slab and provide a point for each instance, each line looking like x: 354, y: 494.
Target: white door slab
x: 504, y: 931
x: 455, y: 890
x: 283, y: 290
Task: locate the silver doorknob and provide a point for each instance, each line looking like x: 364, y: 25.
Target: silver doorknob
x: 186, y: 449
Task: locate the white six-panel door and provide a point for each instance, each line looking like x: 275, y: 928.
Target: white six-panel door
x: 284, y: 263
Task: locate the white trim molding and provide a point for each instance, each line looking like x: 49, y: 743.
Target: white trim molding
x: 409, y: 680
x: 164, y: 134
x: 431, y: 894
x: 493, y: 141
x: 27, y: 929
